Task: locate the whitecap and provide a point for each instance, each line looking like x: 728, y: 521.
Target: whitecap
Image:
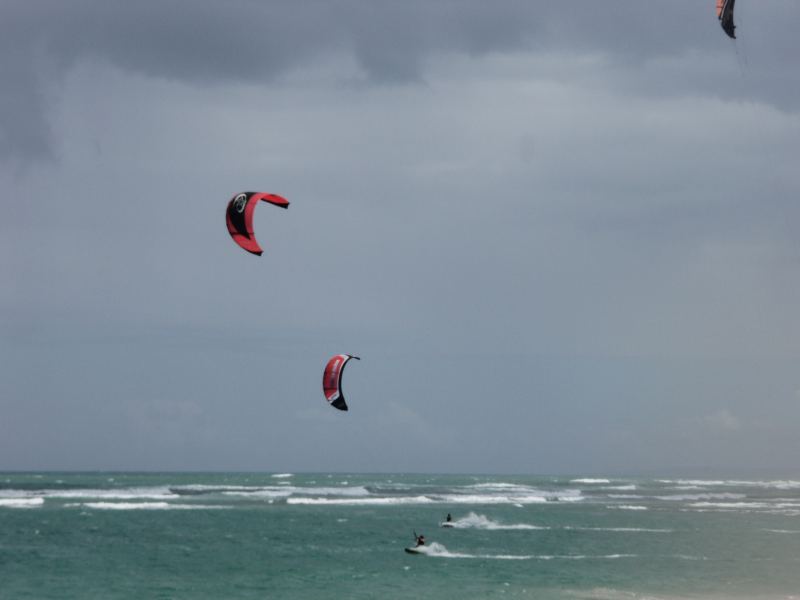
x: 21, y: 502
x: 500, y: 486
x: 360, y: 501
x: 283, y: 491
x: 733, y: 505
x: 589, y: 480
x: 781, y: 484
x: 693, y: 482
x: 145, y: 506
x: 783, y: 530
x: 696, y: 497
x: 136, y: 493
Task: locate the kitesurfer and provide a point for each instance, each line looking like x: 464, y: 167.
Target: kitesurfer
x: 420, y: 540
x: 449, y: 518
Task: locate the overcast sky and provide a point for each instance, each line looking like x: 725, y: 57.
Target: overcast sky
x: 562, y: 236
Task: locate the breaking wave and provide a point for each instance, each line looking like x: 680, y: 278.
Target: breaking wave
x: 21, y: 502
x: 589, y: 480
x: 450, y: 499
x: 778, y: 484
x: 144, y: 506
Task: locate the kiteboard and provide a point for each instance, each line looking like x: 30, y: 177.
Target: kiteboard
x: 449, y: 524
x: 416, y: 550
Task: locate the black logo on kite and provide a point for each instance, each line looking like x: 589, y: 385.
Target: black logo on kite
x: 240, y: 202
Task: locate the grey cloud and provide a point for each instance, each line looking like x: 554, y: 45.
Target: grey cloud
x: 215, y: 42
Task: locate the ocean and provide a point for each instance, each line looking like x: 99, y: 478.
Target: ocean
x: 284, y: 535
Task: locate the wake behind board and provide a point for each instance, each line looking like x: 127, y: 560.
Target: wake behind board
x: 448, y: 524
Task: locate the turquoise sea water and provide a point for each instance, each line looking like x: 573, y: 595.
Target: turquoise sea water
x: 180, y: 535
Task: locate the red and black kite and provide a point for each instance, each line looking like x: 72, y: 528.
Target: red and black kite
x: 332, y: 380
x: 725, y: 15
x: 239, y: 217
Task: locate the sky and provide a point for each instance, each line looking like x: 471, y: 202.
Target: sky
x: 562, y: 236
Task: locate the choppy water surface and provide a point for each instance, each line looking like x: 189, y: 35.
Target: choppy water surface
x: 109, y: 535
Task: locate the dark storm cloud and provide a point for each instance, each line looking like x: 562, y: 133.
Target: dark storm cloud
x: 214, y: 42
x: 23, y: 130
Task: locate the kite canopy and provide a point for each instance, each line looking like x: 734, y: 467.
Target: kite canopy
x: 725, y: 14
x: 332, y: 380
x: 239, y: 217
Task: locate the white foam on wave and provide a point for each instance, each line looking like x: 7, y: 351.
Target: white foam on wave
x: 589, y: 480
x: 628, y: 487
x: 780, y: 484
x: 353, y: 490
x: 211, y: 488
x: 628, y: 507
x: 21, y: 502
x: 284, y: 489
x: 697, y: 497
x: 600, y: 593
x: 506, y: 490
x: 379, y: 501
x: 145, y: 506
x: 785, y: 508
x: 282, y: 475
x: 539, y: 497
x: 692, y: 482
x: 733, y: 505
x: 476, y: 521
x: 366, y: 499
x: 12, y: 493
x: 783, y: 530
x: 144, y: 493
x: 500, y: 486
x: 38, y: 496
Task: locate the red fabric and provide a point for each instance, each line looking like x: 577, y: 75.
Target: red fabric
x: 330, y: 378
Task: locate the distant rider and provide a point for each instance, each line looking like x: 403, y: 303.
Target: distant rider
x: 449, y: 518
x: 420, y: 540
